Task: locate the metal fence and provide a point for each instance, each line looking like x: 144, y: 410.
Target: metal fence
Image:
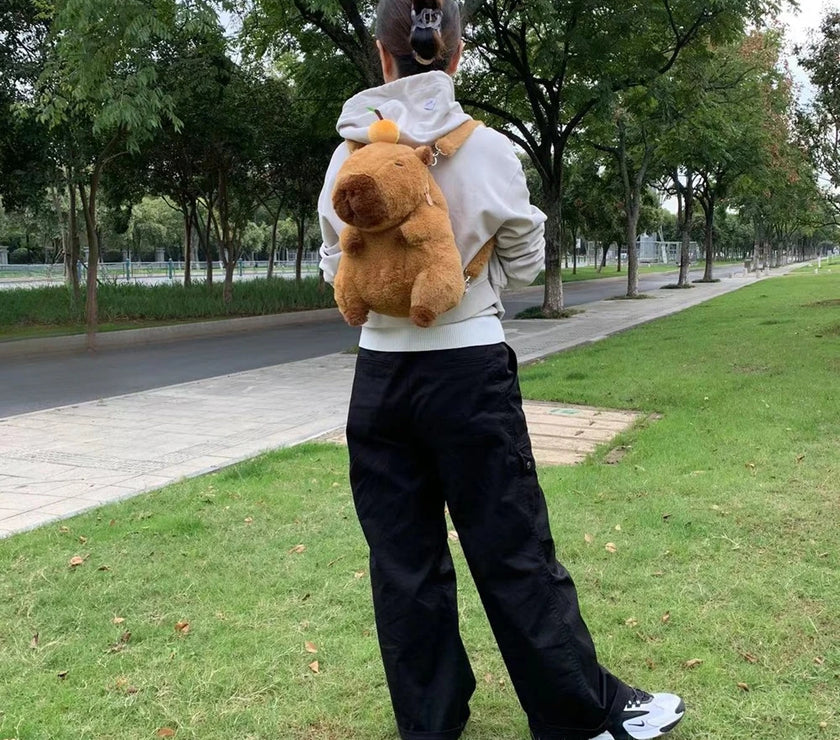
x: 165, y: 270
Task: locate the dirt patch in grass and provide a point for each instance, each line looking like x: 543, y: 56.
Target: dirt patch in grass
x: 616, y: 455
x: 833, y: 330
x: 640, y: 297
x: 750, y: 369
x: 831, y: 303
x: 536, y: 312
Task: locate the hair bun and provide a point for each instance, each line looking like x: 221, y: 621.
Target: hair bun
x: 426, y: 22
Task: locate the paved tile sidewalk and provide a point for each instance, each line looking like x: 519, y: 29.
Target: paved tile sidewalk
x: 61, y: 461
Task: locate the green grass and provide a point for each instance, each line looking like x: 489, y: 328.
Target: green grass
x: 592, y: 273
x: 38, y: 311
x: 723, y: 514
x: 826, y: 263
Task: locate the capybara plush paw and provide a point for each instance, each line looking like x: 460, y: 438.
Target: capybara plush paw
x: 422, y: 316
x: 356, y: 316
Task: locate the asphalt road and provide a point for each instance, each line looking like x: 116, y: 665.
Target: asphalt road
x: 58, y: 380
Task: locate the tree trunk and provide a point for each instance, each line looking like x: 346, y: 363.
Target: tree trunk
x: 227, y: 252
x: 73, y: 256
x: 62, y: 224
x: 759, y: 238
x: 632, y: 254
x: 300, y: 222
x: 553, y: 298
x: 91, y: 302
x: 606, y: 249
x: 189, y: 219
x: 709, y: 208
x: 272, y: 254
x: 208, y: 250
x: 688, y: 215
x: 574, y: 251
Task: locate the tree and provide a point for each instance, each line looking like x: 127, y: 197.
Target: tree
x: 25, y: 164
x: 544, y: 66
x: 820, y: 126
x: 632, y: 133
x: 313, y: 30
x: 101, y: 81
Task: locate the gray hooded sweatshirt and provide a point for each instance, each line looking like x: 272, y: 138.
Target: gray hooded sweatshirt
x: 485, y: 188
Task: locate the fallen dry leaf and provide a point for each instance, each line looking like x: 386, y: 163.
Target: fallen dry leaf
x: 315, y: 667
x: 742, y: 686
x: 297, y: 549
x: 63, y: 674
x: 488, y: 678
x: 182, y: 627
x: 34, y: 642
x: 453, y: 536
x: 617, y: 527
x: 359, y: 574
x: 749, y: 657
x: 310, y: 647
x: 819, y: 660
x: 76, y: 560
x: 632, y: 622
x: 64, y: 530
x: 82, y: 539
x: 249, y: 520
x: 610, y: 547
x: 666, y: 617
x: 125, y: 636
x: 103, y: 567
x: 166, y: 732
x: 800, y: 458
x: 823, y: 725
x: 693, y: 663
x: 123, y: 685
x: 588, y: 538
x: 118, y: 620
x: 650, y: 664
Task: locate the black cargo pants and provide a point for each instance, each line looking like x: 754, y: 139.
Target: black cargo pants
x: 446, y: 428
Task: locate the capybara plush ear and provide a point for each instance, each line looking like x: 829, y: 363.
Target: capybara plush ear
x: 425, y: 153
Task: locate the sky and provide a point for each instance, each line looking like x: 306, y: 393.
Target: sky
x: 799, y: 25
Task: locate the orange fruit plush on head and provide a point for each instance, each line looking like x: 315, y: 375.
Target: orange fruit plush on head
x: 385, y: 131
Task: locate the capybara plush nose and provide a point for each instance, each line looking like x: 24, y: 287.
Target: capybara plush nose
x: 358, y: 201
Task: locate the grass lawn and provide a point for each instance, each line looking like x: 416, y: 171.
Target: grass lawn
x: 592, y: 273
x: 203, y: 608
x: 49, y: 311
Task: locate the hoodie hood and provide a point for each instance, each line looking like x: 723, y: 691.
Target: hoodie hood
x: 422, y: 105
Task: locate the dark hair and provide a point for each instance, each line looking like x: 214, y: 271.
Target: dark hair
x: 402, y: 29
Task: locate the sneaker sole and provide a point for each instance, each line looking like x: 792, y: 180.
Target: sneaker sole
x: 659, y: 733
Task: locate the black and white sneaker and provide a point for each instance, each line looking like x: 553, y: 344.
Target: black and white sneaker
x: 645, y: 716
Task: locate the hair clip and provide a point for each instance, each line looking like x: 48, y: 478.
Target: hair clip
x: 426, y: 18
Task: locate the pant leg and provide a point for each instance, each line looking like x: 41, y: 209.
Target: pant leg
x: 400, y: 506
x: 481, y: 445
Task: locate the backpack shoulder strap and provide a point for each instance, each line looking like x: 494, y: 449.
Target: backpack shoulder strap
x: 446, y: 146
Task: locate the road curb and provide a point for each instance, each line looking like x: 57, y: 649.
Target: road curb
x: 135, y: 337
